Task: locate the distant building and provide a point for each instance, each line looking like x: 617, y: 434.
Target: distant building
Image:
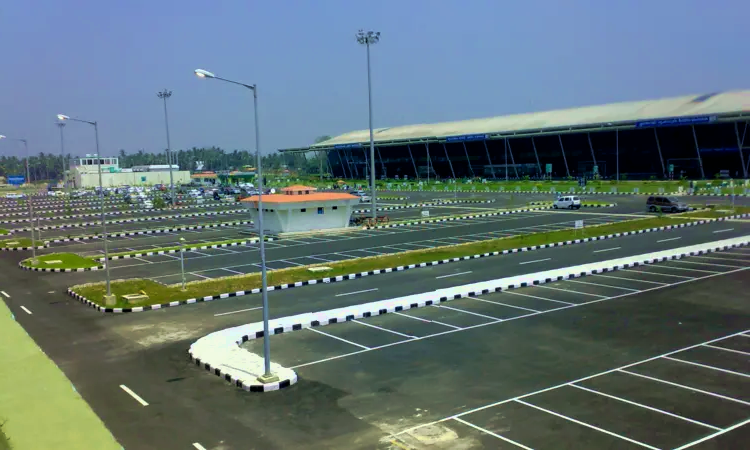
x: 204, y: 178
x: 300, y: 208
x: 84, y: 173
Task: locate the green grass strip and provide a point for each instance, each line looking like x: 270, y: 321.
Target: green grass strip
x: 16, y: 243
x: 188, y: 247
x: 152, y: 230
x: 66, y: 261
x: 39, y: 408
x: 719, y: 211
x: 4, y: 231
x: 160, y: 293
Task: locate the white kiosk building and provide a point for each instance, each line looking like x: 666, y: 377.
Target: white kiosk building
x: 300, y: 208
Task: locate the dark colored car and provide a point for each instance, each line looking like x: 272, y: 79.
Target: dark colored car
x: 665, y: 204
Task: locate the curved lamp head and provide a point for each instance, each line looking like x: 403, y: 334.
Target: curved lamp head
x: 204, y: 73
x: 62, y: 117
x: 2, y: 136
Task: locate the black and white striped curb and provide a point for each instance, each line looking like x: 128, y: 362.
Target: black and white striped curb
x: 19, y: 249
x: 254, y: 387
x: 419, y: 205
x: 187, y: 249
x: 158, y: 230
x: 96, y: 203
x: 45, y: 269
x: 372, y: 309
x: 135, y: 219
x: 450, y: 219
x: 388, y: 270
x: 97, y: 213
x: 564, y: 192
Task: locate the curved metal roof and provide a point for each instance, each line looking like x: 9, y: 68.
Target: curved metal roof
x: 610, y: 115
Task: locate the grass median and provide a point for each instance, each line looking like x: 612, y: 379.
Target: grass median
x: 17, y: 243
x: 718, y: 211
x: 3, y: 231
x: 160, y: 293
x: 61, y: 261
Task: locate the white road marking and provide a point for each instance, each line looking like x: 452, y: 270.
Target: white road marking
x: 584, y: 424
x: 607, y: 249
x: 140, y: 259
x: 670, y: 239
x: 428, y: 321
x: 572, y: 291
x: 728, y: 349
x: 134, y: 395
x: 384, y: 329
x: 26, y: 310
x: 468, y: 312
x: 232, y: 271
x: 651, y: 408
x: 706, y: 366
x: 198, y: 446
x: 708, y: 263
x: 356, y: 292
x: 540, y: 298
x: 202, y: 276
x: 452, y: 275
x: 458, y: 419
x: 5, y: 294
x: 603, y: 285
x: 689, y: 268
x: 535, y: 261
x: 722, y: 231
x: 661, y: 274
x: 321, y: 259
x: 690, y: 388
x: 630, y: 279
x: 338, y: 338
x: 238, y: 311
x: 504, y: 304
x: 711, y: 436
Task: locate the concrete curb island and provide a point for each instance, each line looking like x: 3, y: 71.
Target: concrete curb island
x: 353, y: 276
x: 219, y: 349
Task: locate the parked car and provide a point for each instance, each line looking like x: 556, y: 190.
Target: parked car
x: 147, y: 204
x: 364, y: 198
x: 567, y: 202
x: 14, y: 195
x: 665, y: 204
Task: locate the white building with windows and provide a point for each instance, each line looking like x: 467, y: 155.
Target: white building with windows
x: 84, y: 173
x: 300, y: 208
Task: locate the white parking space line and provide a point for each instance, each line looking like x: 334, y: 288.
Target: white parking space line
x: 540, y: 298
x: 289, y: 262
x: 585, y: 424
x: 201, y: 276
x: 418, y: 245
x: 534, y: 261
x: 232, y: 271
x: 690, y: 268
x: 503, y: 304
x: 198, y: 253
x: 198, y: 446
x: 727, y: 349
x: 356, y: 292
x: 453, y: 275
x: 384, y: 329
x: 630, y: 279
x: 5, y: 294
x: 338, y: 338
x: 346, y: 255
x: 650, y: 408
x: 722, y: 231
x: 134, y: 395
x: 26, y: 310
x: 319, y: 258
x: 656, y: 273
x: 607, y: 249
x: 709, y: 263
x: 366, y: 251
x: 458, y: 419
x: 690, y: 388
x: 468, y: 312
x: 711, y: 436
x: 238, y: 311
x: 603, y: 285
x: 715, y: 256
x: 141, y: 259
x: 706, y: 366
x: 670, y: 239
x: 428, y: 321
x: 571, y: 291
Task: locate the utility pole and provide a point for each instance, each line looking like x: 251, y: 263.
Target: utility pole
x: 367, y: 39
x: 164, y: 95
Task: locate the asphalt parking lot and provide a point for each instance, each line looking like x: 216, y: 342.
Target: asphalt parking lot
x: 654, y: 376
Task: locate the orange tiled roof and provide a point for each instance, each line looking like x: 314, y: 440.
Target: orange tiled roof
x: 299, y: 187
x: 203, y: 175
x: 315, y: 197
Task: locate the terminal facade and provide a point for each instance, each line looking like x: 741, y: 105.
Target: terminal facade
x: 697, y: 137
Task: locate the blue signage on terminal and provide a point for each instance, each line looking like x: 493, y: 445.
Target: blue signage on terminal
x: 675, y: 121
x: 466, y: 138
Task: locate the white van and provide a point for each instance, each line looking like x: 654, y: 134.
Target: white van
x: 567, y: 202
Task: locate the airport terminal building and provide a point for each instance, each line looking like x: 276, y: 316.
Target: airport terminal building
x: 696, y: 136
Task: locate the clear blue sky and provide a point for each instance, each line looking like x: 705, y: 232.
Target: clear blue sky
x: 438, y: 60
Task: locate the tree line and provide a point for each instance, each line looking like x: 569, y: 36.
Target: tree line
x: 47, y: 166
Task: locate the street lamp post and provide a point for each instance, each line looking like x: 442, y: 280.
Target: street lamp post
x: 268, y: 376
x: 109, y: 299
x: 370, y: 38
x: 29, y: 200
x: 182, y: 261
x: 165, y: 94
x: 61, y: 125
